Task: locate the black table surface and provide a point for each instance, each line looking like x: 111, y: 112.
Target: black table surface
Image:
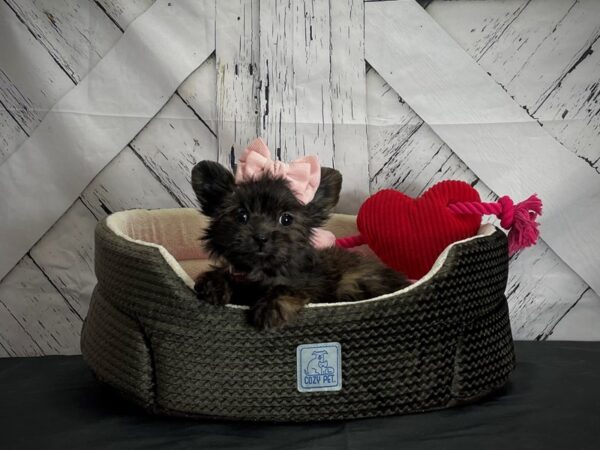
x: 552, y: 402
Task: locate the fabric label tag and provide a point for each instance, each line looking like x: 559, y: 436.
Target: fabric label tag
x: 319, y: 367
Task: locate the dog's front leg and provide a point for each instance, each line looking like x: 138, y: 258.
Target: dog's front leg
x: 277, y: 309
x: 215, y: 286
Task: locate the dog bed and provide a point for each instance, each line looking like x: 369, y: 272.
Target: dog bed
x: 442, y: 341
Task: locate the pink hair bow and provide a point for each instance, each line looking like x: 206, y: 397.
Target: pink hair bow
x: 303, y: 175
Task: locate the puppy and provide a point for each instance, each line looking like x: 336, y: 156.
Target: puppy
x: 261, y: 233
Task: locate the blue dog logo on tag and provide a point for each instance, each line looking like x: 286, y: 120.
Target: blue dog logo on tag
x: 319, y: 364
x: 319, y: 367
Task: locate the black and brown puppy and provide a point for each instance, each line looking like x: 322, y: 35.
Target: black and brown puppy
x: 261, y: 233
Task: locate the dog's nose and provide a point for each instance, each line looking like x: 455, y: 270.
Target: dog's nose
x: 261, y: 238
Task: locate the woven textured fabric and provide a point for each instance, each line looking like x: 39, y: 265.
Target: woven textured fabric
x: 441, y: 343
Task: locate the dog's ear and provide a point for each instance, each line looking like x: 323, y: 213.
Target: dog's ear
x: 211, y: 183
x: 328, y: 193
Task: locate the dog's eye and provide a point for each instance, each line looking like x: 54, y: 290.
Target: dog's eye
x: 286, y: 219
x: 242, y: 216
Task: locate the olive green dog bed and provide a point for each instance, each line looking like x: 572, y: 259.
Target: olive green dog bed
x: 442, y: 341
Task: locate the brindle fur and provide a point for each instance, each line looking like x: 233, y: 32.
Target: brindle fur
x: 277, y: 277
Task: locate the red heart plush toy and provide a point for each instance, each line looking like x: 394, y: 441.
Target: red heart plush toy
x: 408, y: 234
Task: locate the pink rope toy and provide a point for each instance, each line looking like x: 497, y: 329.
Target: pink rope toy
x: 519, y: 219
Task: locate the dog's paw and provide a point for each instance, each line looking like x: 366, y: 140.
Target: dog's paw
x: 214, y: 287
x: 274, y: 313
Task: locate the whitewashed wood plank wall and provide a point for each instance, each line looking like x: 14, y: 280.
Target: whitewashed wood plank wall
x: 295, y: 73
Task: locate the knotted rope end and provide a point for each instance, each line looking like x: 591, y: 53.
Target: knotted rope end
x: 523, y: 226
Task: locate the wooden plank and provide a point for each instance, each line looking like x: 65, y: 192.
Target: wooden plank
x: 310, y: 47
x: 405, y: 153
x: 476, y: 24
x: 76, y: 34
x: 311, y: 63
x: 173, y: 141
x: 348, y: 102
x: 410, y: 157
x: 66, y: 256
x: 125, y: 183
x: 171, y: 144
x: 547, y: 60
x: 581, y: 322
x: 199, y: 92
x: 123, y: 12
x: 554, y: 37
x: 11, y: 135
x: 30, y: 80
x: 390, y: 122
x: 15, y: 340
x: 295, y: 86
x: 35, y: 318
x: 541, y: 289
x: 572, y: 112
x: 277, y: 105
x: 237, y: 79
x: 421, y: 161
